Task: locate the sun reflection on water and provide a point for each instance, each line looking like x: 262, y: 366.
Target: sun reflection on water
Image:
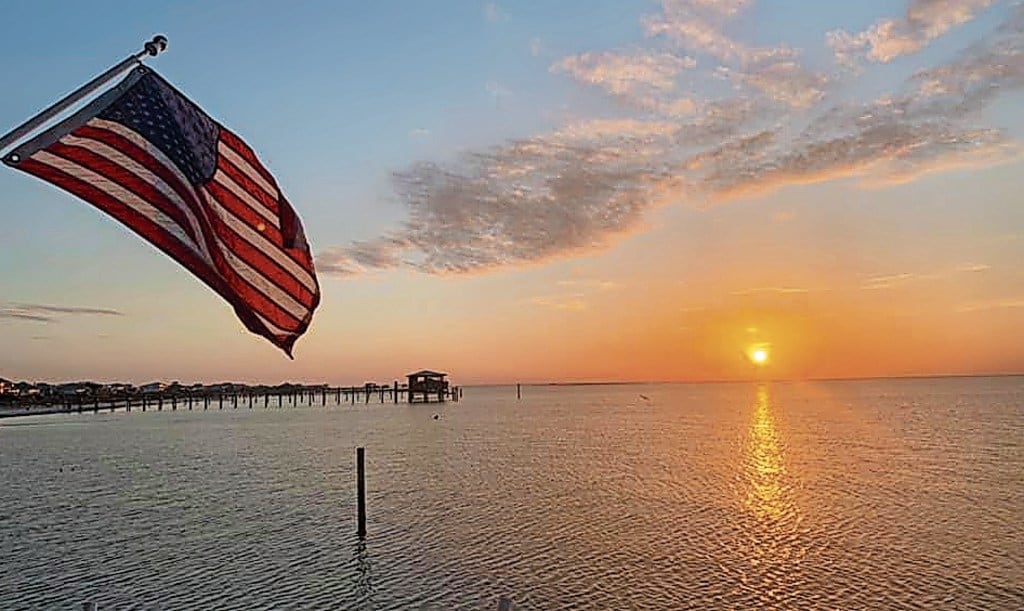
x: 766, y: 497
x: 774, y: 544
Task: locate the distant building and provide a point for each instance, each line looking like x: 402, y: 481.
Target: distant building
x: 118, y: 388
x: 428, y: 385
x: 6, y: 387
x: 153, y: 387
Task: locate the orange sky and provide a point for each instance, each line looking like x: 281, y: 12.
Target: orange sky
x: 620, y: 201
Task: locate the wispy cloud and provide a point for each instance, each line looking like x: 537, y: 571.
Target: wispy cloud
x: 972, y: 267
x: 770, y: 291
x: 571, y: 303
x: 889, y: 38
x: 888, y: 281
x: 992, y: 304
x: 599, y: 285
x: 536, y: 47
x: 419, y: 132
x: 493, y: 13
x: 643, y: 78
x: 586, y: 184
x: 36, y: 312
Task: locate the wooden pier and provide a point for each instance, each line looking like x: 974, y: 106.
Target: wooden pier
x: 220, y: 397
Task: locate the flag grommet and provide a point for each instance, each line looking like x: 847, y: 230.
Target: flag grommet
x: 12, y: 159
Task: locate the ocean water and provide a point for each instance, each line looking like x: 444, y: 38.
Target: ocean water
x: 894, y: 494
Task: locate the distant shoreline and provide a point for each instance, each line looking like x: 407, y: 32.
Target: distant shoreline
x: 939, y: 376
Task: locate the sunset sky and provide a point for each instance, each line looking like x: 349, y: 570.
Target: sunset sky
x: 555, y: 191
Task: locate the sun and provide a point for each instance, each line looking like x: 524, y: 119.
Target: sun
x: 759, y: 355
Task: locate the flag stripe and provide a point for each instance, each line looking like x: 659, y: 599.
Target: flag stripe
x: 147, y: 227
x: 271, y: 303
x: 153, y: 160
x: 268, y: 267
x: 237, y: 161
x: 225, y: 180
x: 248, y: 154
x: 143, y: 183
x: 271, y: 291
x: 236, y: 215
x: 140, y: 149
x: 117, y: 192
x: 214, y: 217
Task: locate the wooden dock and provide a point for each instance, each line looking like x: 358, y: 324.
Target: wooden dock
x: 249, y: 397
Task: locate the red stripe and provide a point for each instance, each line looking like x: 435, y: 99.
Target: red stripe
x: 246, y: 153
x: 263, y: 264
x: 245, y: 298
x: 119, y: 175
x: 246, y: 214
x: 143, y: 158
x: 209, y: 222
x: 248, y: 185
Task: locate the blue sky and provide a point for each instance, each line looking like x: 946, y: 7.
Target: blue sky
x: 792, y: 188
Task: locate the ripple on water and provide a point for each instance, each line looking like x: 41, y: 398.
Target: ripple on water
x: 903, y: 494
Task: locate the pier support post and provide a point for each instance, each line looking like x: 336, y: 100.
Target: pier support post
x: 361, y: 490
x: 519, y: 391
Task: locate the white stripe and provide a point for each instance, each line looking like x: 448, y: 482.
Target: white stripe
x: 276, y: 330
x: 146, y: 146
x: 119, y: 193
x: 256, y: 239
x: 260, y: 242
x: 239, y: 162
x: 229, y: 183
x: 142, y: 173
x: 258, y: 280
x: 116, y: 191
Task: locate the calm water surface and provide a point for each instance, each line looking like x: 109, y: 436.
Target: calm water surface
x: 844, y: 495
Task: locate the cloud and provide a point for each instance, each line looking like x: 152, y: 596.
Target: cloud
x: 699, y: 25
x: 492, y: 13
x: 497, y: 90
x: 991, y: 304
x: 536, y: 47
x: 587, y: 183
x: 419, y: 132
x: 572, y: 303
x: 599, y: 285
x: 972, y: 267
x: 771, y: 290
x: 887, y: 39
x: 634, y: 75
x: 784, y: 82
x: 875, y: 283
x: 49, y: 313
x: 894, y: 139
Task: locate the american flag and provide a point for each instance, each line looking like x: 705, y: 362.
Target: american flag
x: 149, y: 157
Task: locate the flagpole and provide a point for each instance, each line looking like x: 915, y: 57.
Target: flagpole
x: 152, y: 48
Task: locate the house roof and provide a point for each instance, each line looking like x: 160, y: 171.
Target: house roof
x: 427, y: 373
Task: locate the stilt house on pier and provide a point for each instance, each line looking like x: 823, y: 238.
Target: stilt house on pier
x: 426, y: 386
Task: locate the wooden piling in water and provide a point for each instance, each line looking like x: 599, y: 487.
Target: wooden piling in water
x: 519, y: 391
x: 361, y: 490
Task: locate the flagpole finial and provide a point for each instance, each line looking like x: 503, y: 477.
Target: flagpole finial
x: 156, y: 46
